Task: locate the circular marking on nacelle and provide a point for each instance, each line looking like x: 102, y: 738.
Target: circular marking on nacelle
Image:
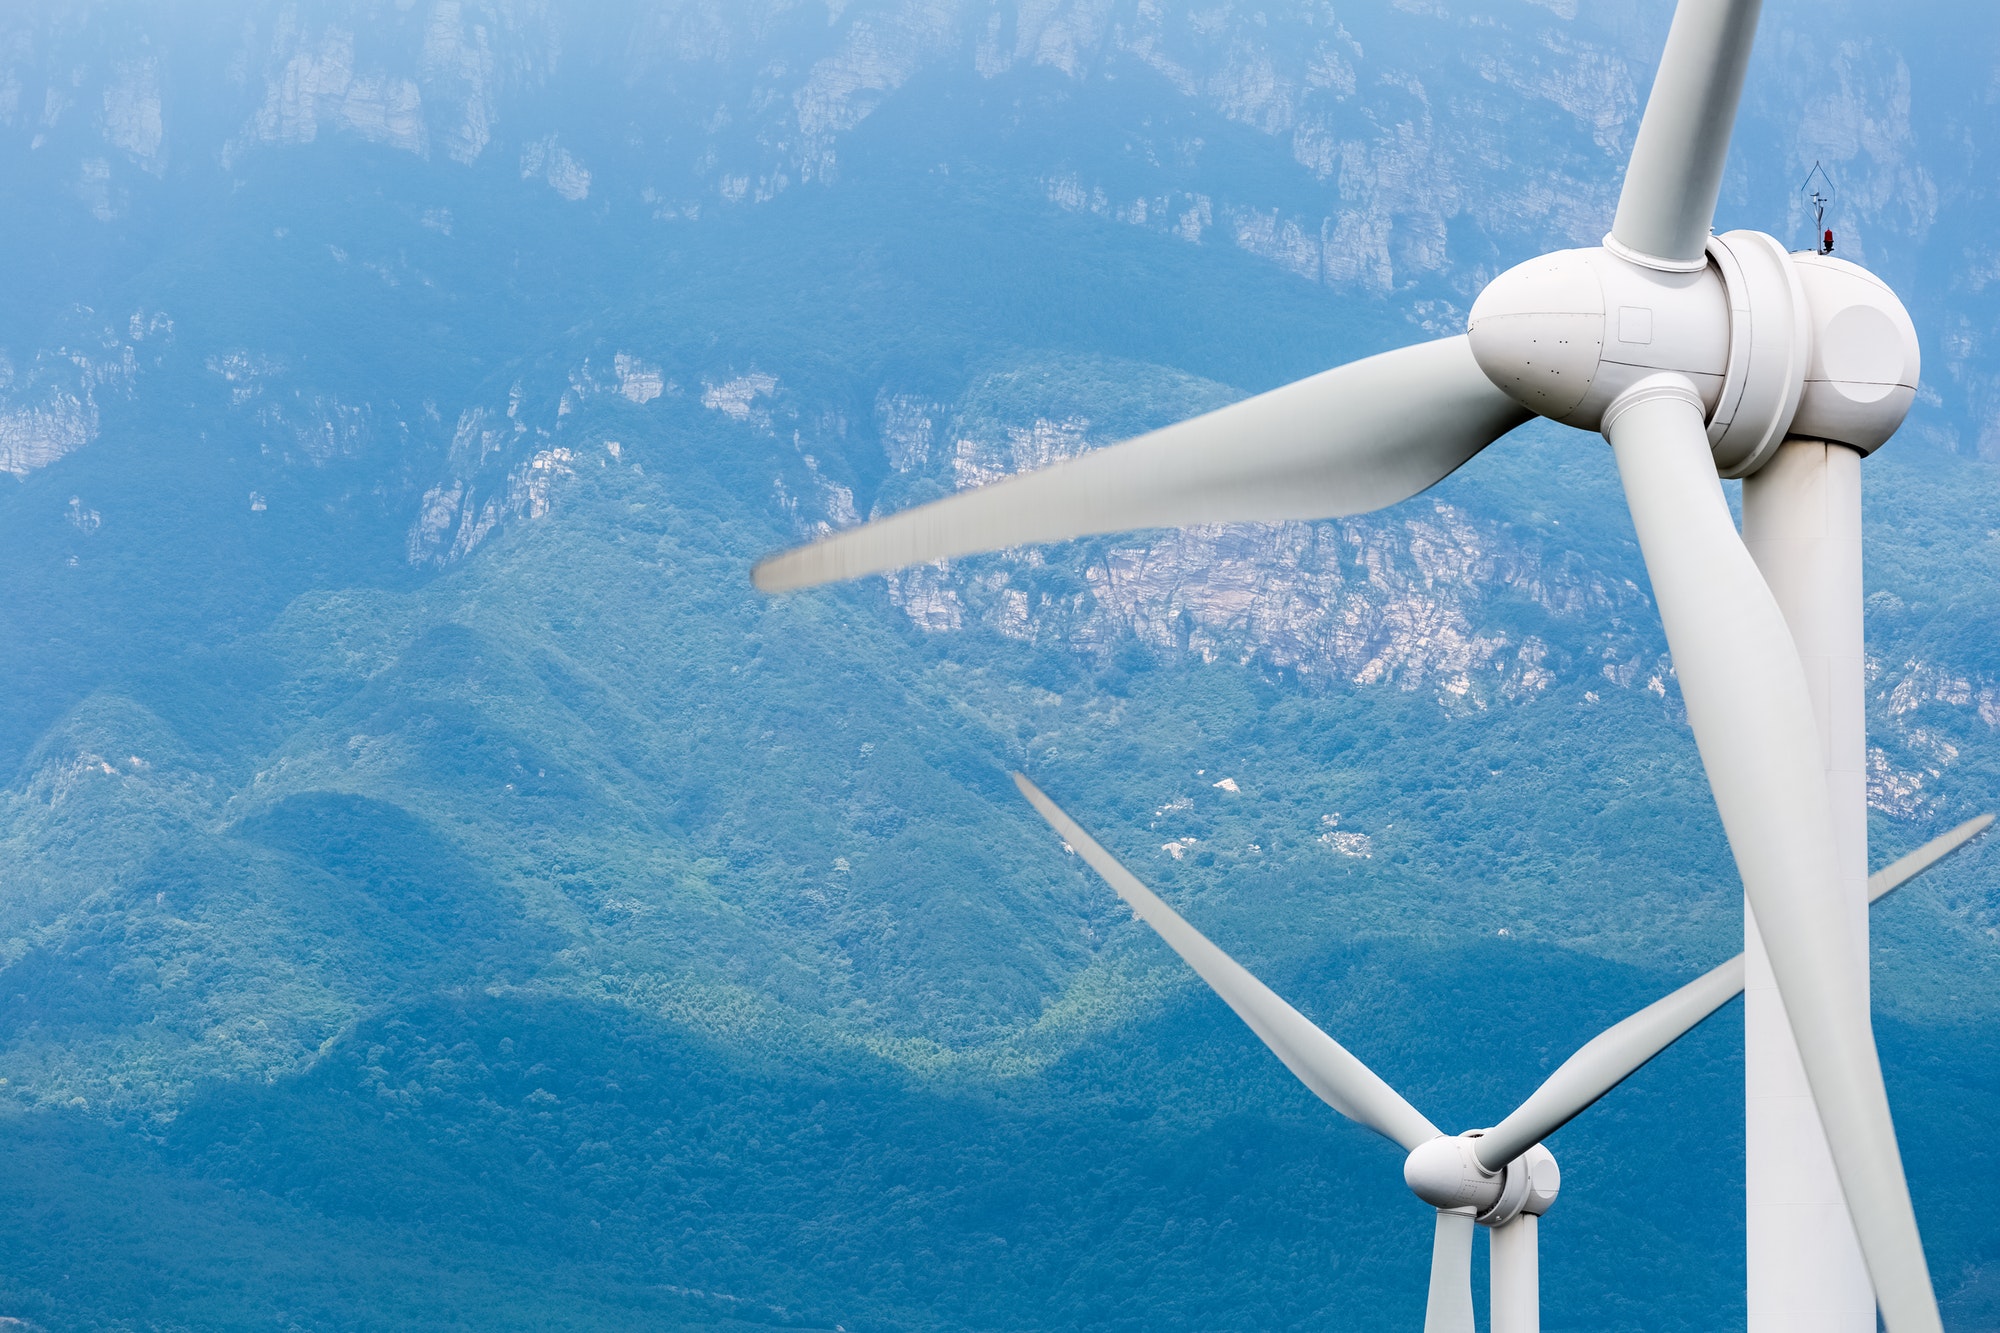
x: 1861, y: 371
x: 1859, y: 347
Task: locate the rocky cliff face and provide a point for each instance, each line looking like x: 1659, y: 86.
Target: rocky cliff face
x: 1426, y: 597
x: 50, y: 402
x: 1406, y: 600
x: 1446, y: 596
x: 1397, y: 157
x: 1424, y: 144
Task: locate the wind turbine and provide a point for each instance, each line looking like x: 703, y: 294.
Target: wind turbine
x: 1698, y: 357
x: 1501, y: 1178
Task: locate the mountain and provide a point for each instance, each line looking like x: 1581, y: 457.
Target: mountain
x: 436, y: 892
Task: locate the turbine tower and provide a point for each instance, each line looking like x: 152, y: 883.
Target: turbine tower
x: 1804, y: 1266
x: 1697, y: 357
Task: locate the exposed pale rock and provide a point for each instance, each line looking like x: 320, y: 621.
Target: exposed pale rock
x: 435, y: 515
x: 1250, y: 89
x: 473, y: 440
x: 736, y: 398
x: 457, y: 510
x: 1280, y: 240
x: 638, y: 381
x: 553, y: 163
x: 37, y: 436
x: 309, y: 78
x: 385, y: 110
x: 1197, y: 219
x: 879, y: 54
x: 1060, y: 34
x: 1894, y: 791
x: 1921, y: 683
x: 1924, y: 709
x: 315, y: 85
x: 457, y: 63
x: 1348, y: 844
x: 529, y: 486
x: 132, y: 115
x: 244, y: 371
x: 51, y: 409
x: 905, y: 426
x: 927, y: 597
x: 1593, y: 85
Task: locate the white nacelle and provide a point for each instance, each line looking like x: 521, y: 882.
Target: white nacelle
x: 1446, y: 1173
x: 1773, y: 344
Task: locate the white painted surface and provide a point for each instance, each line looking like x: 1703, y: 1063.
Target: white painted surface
x: 1568, y: 334
x: 1861, y: 375
x: 1516, y: 1288
x: 1802, y: 524
x: 1448, y: 1308
x: 1770, y: 341
x: 1675, y: 173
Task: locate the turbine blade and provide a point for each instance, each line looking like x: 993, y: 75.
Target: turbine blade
x: 1752, y: 717
x: 1905, y: 868
x: 1449, y: 1309
x: 1320, y: 1062
x: 1514, y: 1276
x: 1624, y: 1048
x: 1668, y: 200
x: 1345, y: 441
x: 1605, y: 1061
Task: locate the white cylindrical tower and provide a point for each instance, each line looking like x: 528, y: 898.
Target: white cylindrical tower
x: 1515, y: 1303
x: 1802, y: 523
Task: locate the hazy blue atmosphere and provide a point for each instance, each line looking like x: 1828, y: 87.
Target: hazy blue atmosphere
x: 437, y: 893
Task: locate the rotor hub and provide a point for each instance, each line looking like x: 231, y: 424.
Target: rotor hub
x: 1772, y: 344
x: 1446, y: 1173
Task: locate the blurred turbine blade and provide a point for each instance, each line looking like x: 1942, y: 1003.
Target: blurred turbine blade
x: 1320, y: 1062
x: 1345, y: 441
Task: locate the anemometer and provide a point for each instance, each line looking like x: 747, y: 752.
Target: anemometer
x: 1818, y: 190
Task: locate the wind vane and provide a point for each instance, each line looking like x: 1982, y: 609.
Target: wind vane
x: 1818, y: 191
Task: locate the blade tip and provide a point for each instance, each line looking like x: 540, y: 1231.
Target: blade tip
x: 768, y: 575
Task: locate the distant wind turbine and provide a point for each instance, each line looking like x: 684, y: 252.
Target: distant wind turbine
x: 1501, y: 1178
